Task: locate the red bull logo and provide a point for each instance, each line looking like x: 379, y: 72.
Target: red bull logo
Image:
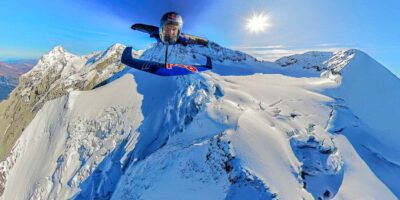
x: 188, y: 67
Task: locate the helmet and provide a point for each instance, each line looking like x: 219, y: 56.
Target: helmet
x: 170, y: 27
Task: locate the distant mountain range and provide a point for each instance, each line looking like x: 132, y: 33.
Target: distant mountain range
x: 16, y: 67
x: 10, y: 71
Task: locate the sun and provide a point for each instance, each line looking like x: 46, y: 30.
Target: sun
x: 257, y: 23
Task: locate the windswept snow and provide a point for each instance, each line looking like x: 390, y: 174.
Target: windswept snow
x: 314, y: 126
x: 68, y: 138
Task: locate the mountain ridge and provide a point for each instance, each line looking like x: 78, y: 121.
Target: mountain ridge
x: 244, y: 129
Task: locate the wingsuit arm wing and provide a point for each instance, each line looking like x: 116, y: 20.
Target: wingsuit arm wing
x: 150, y: 29
x: 159, y: 68
x: 191, y: 39
x: 185, y: 38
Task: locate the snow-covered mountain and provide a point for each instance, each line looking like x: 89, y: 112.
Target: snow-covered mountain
x: 311, y: 126
x: 55, y: 74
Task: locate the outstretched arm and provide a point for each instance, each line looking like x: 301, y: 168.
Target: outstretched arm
x: 150, y: 29
x: 191, y: 39
x: 197, y: 40
x: 184, y: 39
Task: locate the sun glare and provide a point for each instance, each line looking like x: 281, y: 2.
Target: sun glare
x: 257, y: 23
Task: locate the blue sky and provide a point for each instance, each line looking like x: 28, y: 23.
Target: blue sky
x: 30, y: 28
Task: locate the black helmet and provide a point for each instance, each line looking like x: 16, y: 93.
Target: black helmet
x: 170, y: 18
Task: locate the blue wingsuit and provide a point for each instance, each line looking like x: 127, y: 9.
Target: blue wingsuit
x: 165, y: 69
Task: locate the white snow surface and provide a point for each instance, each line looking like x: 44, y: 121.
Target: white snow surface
x: 245, y: 130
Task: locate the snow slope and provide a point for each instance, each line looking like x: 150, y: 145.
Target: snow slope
x: 365, y: 110
x: 69, y: 136
x: 56, y: 73
x: 245, y: 130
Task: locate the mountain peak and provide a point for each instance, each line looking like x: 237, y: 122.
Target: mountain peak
x: 115, y: 48
x: 56, y: 56
x: 57, y: 52
x: 58, y: 49
x: 116, y: 45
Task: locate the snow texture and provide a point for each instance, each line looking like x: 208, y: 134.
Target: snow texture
x: 321, y: 125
